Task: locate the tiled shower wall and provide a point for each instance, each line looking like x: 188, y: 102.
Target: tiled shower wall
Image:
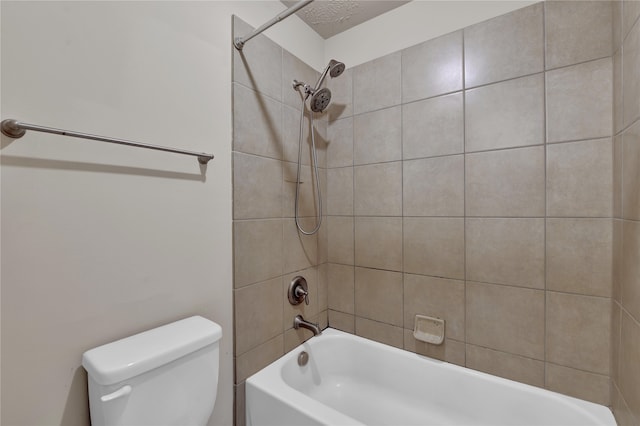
x: 268, y: 250
x: 625, y: 365
x: 470, y: 178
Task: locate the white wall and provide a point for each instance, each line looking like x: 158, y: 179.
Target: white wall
x: 101, y: 241
x: 410, y: 24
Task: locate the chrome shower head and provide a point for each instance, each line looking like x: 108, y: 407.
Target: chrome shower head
x: 320, y: 100
x: 335, y: 68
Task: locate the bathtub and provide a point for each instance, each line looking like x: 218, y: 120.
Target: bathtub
x: 349, y: 380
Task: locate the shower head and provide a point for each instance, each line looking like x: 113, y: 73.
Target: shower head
x: 334, y: 69
x: 320, y: 100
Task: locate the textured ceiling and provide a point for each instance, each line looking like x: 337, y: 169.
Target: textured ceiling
x: 330, y: 17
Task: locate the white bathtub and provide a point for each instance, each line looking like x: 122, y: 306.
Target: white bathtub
x: 349, y: 380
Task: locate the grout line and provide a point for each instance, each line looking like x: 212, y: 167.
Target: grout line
x: 464, y: 195
x: 545, y: 136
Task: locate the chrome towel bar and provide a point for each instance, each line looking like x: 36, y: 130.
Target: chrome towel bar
x: 16, y: 129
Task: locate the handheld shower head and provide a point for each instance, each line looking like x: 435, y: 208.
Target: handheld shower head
x: 320, y: 100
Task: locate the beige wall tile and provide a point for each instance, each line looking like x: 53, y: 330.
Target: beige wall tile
x: 577, y: 31
x: 323, y: 319
x: 432, y: 68
x: 630, y: 13
x: 450, y: 350
x: 620, y: 409
x: 340, y: 234
x: 258, y: 358
x: 342, y: 321
x: 505, y: 183
x: 629, y: 365
x: 577, y: 383
x: 578, y: 331
x: 258, y: 314
x: 307, y: 204
x: 435, y: 297
x: 340, y: 148
x: 509, y: 366
x: 630, y: 274
x: 323, y: 242
x: 257, y: 187
x: 433, y: 186
x: 341, y: 96
x: 323, y: 290
x: 378, y: 189
x: 257, y: 123
x: 301, y: 251
x: 341, y: 282
x: 506, y: 251
x: 379, y: 242
x: 580, y: 179
x: 377, y: 136
x: 239, y: 405
x: 308, y: 311
x: 294, y: 68
x: 580, y: 101
x: 291, y: 136
x: 259, y: 64
x: 321, y: 126
x: 508, y: 46
x: 380, y: 332
x: 616, y: 276
x: 340, y: 191
x: 617, y: 176
x: 631, y: 173
x: 258, y: 252
x: 579, y: 256
x: 434, y: 246
x: 378, y: 295
x: 433, y: 127
x: 377, y: 84
x: 616, y: 328
x: 630, y: 71
x: 618, y: 115
x: 506, y: 114
x: 617, y: 24
x: 507, y: 319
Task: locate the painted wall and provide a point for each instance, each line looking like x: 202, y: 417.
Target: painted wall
x: 102, y: 241
x: 625, y: 320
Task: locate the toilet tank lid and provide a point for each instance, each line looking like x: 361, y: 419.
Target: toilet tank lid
x: 137, y: 354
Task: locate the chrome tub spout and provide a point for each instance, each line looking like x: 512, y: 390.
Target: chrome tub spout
x: 298, y: 322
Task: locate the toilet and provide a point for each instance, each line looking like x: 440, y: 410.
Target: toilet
x: 164, y: 376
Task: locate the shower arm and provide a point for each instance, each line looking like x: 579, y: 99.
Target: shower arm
x: 239, y: 42
x: 321, y: 79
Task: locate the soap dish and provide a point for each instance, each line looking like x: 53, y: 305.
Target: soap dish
x: 429, y: 329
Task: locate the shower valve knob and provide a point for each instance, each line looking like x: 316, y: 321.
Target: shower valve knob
x: 298, y: 291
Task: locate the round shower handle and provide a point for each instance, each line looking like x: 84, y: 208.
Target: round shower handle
x: 298, y: 291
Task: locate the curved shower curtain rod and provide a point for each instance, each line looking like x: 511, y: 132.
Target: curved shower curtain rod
x: 240, y: 41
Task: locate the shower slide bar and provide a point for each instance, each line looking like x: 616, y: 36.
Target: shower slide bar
x: 16, y: 129
x: 240, y: 41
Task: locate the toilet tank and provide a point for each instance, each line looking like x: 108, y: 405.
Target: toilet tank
x: 164, y: 376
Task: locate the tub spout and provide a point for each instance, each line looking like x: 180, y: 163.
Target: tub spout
x: 298, y: 322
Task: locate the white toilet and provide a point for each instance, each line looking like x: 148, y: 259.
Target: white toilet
x: 164, y: 376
